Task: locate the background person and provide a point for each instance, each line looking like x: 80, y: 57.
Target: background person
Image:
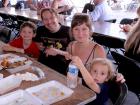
x: 5, y: 3
x: 102, y: 11
x: 132, y: 43
x: 127, y: 27
x: 32, y: 4
x: 59, y: 5
x: 62, y: 7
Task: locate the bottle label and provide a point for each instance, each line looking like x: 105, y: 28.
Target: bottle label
x: 72, y: 76
x: 73, y: 69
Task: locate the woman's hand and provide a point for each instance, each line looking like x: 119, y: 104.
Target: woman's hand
x: 120, y: 78
x: 77, y: 61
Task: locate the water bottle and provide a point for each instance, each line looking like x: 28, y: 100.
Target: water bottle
x: 72, y: 76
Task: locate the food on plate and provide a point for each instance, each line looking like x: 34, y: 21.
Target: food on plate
x: 28, y: 76
x: 5, y: 63
x: 49, y: 93
x: 13, y: 62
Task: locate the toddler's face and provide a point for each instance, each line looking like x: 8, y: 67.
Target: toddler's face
x: 99, y: 73
x: 27, y: 33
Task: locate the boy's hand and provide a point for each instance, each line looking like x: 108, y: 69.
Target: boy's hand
x: 40, y: 45
x: 21, y: 51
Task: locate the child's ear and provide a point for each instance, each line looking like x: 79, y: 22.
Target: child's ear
x: 106, y: 79
x: 34, y: 35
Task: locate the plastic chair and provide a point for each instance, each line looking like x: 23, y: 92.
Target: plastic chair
x: 7, y: 21
x: 130, y: 69
x: 111, y: 21
x: 19, y: 4
x: 5, y: 34
x: 110, y: 43
x: 89, y: 7
x: 126, y: 21
x: 117, y: 92
x: 20, y: 20
x: 1, y: 4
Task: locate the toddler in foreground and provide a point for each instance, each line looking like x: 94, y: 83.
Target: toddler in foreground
x: 101, y: 71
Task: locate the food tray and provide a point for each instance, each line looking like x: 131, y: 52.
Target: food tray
x: 12, y: 58
x: 9, y: 55
x: 19, y: 97
x: 9, y: 83
x: 50, y: 92
x: 20, y: 68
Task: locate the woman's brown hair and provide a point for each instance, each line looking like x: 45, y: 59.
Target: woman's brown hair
x: 80, y: 18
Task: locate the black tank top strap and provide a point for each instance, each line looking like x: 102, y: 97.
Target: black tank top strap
x: 71, y: 46
x: 94, y: 49
x: 92, y: 52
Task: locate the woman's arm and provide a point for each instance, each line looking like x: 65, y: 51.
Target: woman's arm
x: 99, y: 52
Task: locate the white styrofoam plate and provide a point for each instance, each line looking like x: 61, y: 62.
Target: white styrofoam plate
x: 9, y: 55
x: 9, y: 83
x: 50, y: 92
x: 19, y: 97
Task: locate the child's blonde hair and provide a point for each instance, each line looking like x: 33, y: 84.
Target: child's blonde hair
x: 106, y: 62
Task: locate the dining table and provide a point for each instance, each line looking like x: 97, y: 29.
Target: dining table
x: 109, y: 29
x: 81, y: 95
x: 104, y: 28
x: 31, y: 14
x: 27, y: 13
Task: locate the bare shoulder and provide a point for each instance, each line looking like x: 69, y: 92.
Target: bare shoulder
x: 99, y: 51
x: 71, y: 43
